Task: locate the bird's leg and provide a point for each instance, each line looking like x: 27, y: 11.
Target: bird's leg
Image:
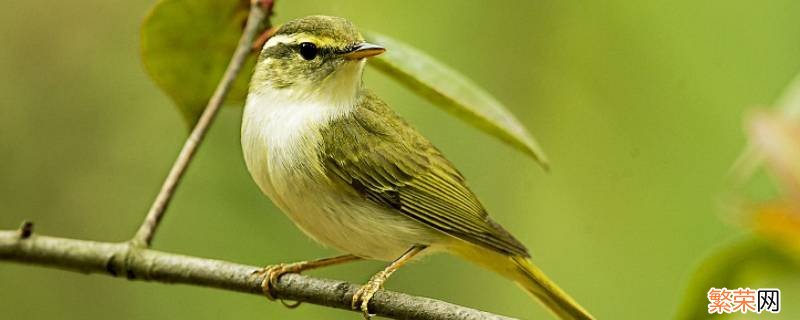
x: 274, y: 272
x: 364, y: 294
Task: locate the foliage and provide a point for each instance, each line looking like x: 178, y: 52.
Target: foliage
x: 453, y: 92
x: 186, y: 45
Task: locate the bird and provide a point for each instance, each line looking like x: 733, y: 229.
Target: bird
x: 354, y: 176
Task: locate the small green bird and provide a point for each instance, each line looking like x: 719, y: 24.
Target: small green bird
x: 354, y: 176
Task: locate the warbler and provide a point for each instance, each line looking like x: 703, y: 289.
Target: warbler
x: 354, y: 176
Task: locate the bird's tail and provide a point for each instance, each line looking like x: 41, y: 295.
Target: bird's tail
x: 528, y: 276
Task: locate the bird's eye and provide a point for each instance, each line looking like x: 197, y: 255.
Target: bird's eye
x: 308, y: 50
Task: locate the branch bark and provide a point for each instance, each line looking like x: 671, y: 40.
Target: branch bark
x: 135, y: 263
x: 260, y: 10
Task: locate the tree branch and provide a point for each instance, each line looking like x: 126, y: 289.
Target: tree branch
x: 135, y: 263
x: 260, y: 10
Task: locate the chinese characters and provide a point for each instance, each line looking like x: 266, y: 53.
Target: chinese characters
x: 743, y: 300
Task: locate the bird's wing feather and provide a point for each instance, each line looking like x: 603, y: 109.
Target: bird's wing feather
x: 379, y: 156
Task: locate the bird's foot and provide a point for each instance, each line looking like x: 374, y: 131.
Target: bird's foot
x: 273, y: 273
x: 364, y: 294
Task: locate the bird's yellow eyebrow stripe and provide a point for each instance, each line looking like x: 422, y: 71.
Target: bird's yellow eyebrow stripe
x: 300, y: 38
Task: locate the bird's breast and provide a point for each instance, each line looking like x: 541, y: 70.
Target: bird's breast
x: 281, y: 141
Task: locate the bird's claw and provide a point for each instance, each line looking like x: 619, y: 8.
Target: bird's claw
x: 272, y: 274
x: 364, y: 294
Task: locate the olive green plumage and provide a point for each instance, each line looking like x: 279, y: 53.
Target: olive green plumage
x: 381, y: 157
x: 333, y: 35
x: 339, y: 29
x: 353, y: 175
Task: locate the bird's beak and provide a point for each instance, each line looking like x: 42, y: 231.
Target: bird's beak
x: 364, y: 50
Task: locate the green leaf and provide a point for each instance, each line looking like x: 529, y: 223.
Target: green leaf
x: 186, y: 46
x: 454, y: 92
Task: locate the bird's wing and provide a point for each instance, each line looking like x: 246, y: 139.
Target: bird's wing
x: 379, y: 156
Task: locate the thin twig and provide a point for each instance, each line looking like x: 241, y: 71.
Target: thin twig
x: 121, y: 259
x: 260, y: 11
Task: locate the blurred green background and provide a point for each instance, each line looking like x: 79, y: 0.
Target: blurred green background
x: 639, y: 106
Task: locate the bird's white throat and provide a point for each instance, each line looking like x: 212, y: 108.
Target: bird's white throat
x: 281, y: 126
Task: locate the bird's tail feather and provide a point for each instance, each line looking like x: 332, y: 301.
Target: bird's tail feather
x: 535, y: 282
x: 522, y: 271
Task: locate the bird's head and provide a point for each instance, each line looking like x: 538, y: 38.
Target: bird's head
x: 313, y: 57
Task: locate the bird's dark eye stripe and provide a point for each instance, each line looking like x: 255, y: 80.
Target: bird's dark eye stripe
x: 344, y: 50
x: 325, y: 51
x: 278, y: 51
